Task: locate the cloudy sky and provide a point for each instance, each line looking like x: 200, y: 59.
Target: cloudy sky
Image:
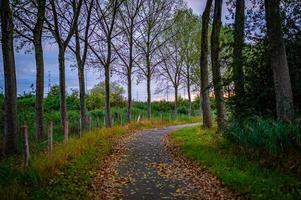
x: 25, y: 69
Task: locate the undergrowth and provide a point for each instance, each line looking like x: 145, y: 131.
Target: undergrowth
x: 235, y: 170
x: 68, y: 170
x: 265, y: 135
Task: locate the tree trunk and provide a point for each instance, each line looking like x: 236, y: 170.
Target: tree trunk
x: 217, y: 80
x: 129, y: 108
x: 149, y: 101
x: 107, y: 97
x: 63, y: 107
x: 10, y: 101
x: 40, y: 69
x: 188, y: 91
x: 176, y: 99
x: 282, y: 83
x: 129, y: 76
x: 207, y: 122
x: 82, y: 95
x: 239, y: 28
x: 39, y: 88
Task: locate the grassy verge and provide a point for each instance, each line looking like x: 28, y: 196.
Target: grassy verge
x: 235, y: 170
x: 68, y: 171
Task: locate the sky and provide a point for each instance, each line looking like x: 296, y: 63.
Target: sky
x: 25, y: 69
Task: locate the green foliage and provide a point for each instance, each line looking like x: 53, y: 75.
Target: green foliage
x: 96, y: 96
x: 233, y: 169
x: 269, y: 136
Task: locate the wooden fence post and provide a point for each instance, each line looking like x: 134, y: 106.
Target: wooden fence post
x: 66, y: 136
x: 50, y: 137
x: 25, y: 145
x: 138, y: 119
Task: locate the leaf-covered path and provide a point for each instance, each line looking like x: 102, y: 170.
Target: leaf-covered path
x: 143, y: 167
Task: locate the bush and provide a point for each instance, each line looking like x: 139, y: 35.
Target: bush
x: 266, y: 135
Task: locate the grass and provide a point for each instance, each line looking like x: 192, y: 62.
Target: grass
x: 68, y: 170
x: 236, y: 171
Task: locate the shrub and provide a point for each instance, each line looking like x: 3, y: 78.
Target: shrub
x: 267, y: 135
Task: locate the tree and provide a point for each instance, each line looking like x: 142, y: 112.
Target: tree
x: 62, y: 31
x: 102, y: 44
x: 207, y: 122
x: 282, y: 84
x: 171, y: 69
x: 239, y: 28
x: 154, y: 16
x: 10, y: 101
x: 30, y: 28
x: 129, y: 24
x: 80, y: 50
x: 215, y: 50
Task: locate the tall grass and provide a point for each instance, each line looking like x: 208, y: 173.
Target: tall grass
x: 266, y: 135
x: 17, y: 183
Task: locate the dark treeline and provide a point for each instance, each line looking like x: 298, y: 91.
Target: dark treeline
x: 251, y: 67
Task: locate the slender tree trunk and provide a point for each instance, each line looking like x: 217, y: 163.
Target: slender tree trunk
x: 149, y: 94
x: 189, y: 91
x: 176, y: 99
x: 107, y: 97
x: 40, y: 69
x: 63, y: 106
x: 39, y: 88
x: 207, y: 122
x: 282, y: 82
x: 217, y: 80
x: 129, y: 108
x: 129, y: 77
x: 149, y: 98
x: 239, y: 28
x: 82, y: 95
x: 10, y: 101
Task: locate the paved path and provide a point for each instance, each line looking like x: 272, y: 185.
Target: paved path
x: 146, y: 151
x: 143, y: 167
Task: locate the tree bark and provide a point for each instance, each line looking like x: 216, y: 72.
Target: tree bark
x: 63, y: 107
x: 282, y: 82
x: 239, y: 28
x: 189, y: 91
x: 10, y: 101
x: 129, y: 74
x: 82, y: 95
x: 176, y: 99
x: 215, y: 49
x: 107, y: 98
x: 148, y: 82
x: 129, y: 108
x: 81, y: 79
x: 40, y: 69
x: 207, y: 122
x: 149, y: 98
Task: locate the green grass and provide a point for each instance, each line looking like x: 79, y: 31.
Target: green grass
x: 67, y: 172
x: 247, y: 177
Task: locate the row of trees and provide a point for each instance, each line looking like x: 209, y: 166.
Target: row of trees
x: 277, y: 57
x: 149, y: 38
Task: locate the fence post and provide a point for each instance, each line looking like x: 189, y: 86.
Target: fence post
x: 25, y: 145
x: 66, y: 136
x: 50, y: 137
x: 138, y: 119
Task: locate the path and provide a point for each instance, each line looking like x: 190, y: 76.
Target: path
x: 147, y: 170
